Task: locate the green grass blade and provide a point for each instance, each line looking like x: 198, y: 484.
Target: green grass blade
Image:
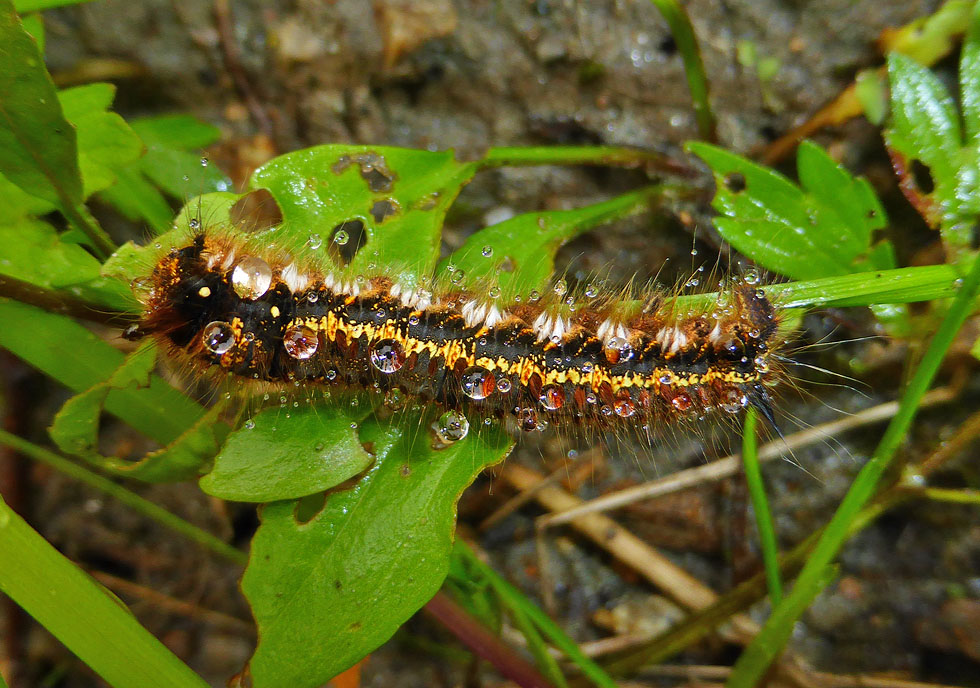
x: 760, y: 505
x: 769, y: 643
x: 514, y: 599
x: 81, y: 614
x: 127, y: 497
x: 697, y: 80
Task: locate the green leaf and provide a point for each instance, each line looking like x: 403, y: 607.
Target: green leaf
x: 76, y: 426
x: 970, y: 79
x: 320, y: 188
x: 179, y: 132
x: 328, y: 591
x: 75, y: 357
x: 105, y: 142
x: 820, y: 230
x: 34, y: 253
x: 25, y: 6
x: 79, y: 612
x: 34, y: 25
x: 286, y: 454
x: 138, y: 199
x: 38, y: 148
x: 18, y: 204
x: 522, y: 249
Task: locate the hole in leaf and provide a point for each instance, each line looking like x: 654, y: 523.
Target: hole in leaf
x: 383, y: 209
x: 922, y: 177
x: 255, y: 211
x: 308, y: 507
x: 346, y: 240
x: 735, y: 182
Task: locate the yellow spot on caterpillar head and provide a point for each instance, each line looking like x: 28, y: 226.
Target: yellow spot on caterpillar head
x: 204, y: 292
x: 275, y: 312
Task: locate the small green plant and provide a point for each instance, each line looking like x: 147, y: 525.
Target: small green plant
x: 331, y: 578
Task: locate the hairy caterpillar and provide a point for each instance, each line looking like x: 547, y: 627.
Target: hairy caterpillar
x: 237, y: 306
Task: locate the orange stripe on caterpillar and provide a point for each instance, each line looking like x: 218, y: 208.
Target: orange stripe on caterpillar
x: 234, y: 309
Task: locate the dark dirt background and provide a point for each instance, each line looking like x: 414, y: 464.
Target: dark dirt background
x: 276, y: 76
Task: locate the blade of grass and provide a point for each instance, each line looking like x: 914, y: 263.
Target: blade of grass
x: 697, y: 81
x: 537, y: 647
x: 81, y: 614
x: 760, y: 505
x: 773, y: 637
x: 130, y: 499
x: 568, y: 155
x: 514, y: 599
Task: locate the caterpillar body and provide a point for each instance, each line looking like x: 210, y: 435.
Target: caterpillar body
x: 240, y: 308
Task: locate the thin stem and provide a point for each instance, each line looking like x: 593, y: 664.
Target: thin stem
x: 760, y: 505
x: 697, y: 81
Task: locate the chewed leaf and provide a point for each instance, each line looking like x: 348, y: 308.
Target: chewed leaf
x: 519, y: 254
x: 286, y: 453
x: 399, y: 195
x: 821, y: 230
x: 327, y: 590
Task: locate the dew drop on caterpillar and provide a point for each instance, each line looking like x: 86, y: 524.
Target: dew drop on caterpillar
x: 238, y: 307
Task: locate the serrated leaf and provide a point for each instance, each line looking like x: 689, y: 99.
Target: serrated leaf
x: 821, y: 230
x: 75, y: 357
x: 105, y: 142
x: 320, y: 188
x: 76, y: 426
x: 522, y: 249
x: 970, y: 79
x: 287, y: 454
x: 328, y: 591
x: 38, y: 147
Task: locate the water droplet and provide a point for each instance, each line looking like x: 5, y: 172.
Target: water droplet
x: 681, y: 402
x: 218, y: 337
x: 341, y: 237
x: 315, y: 241
x: 587, y: 368
x: 591, y: 291
x: 665, y: 379
x: 751, y: 276
x: 487, y: 251
x: 693, y: 282
x: 618, y: 350
x: 477, y: 383
x: 552, y: 397
x: 761, y: 364
x: 733, y: 400
x: 313, y: 297
x: 458, y: 276
x: 754, y: 333
x: 590, y: 397
x: 249, y: 424
x: 204, y: 161
x: 527, y: 419
x: 331, y: 375
x: 300, y: 341
x: 251, y: 278
x: 534, y: 296
x: 413, y: 320
x: 560, y: 287
x: 387, y: 355
x: 624, y: 408
x: 451, y: 427
x: 503, y: 385
x: 193, y: 223
x: 494, y: 293
x: 606, y: 410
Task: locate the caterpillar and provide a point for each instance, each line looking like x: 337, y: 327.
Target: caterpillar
x: 236, y: 306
